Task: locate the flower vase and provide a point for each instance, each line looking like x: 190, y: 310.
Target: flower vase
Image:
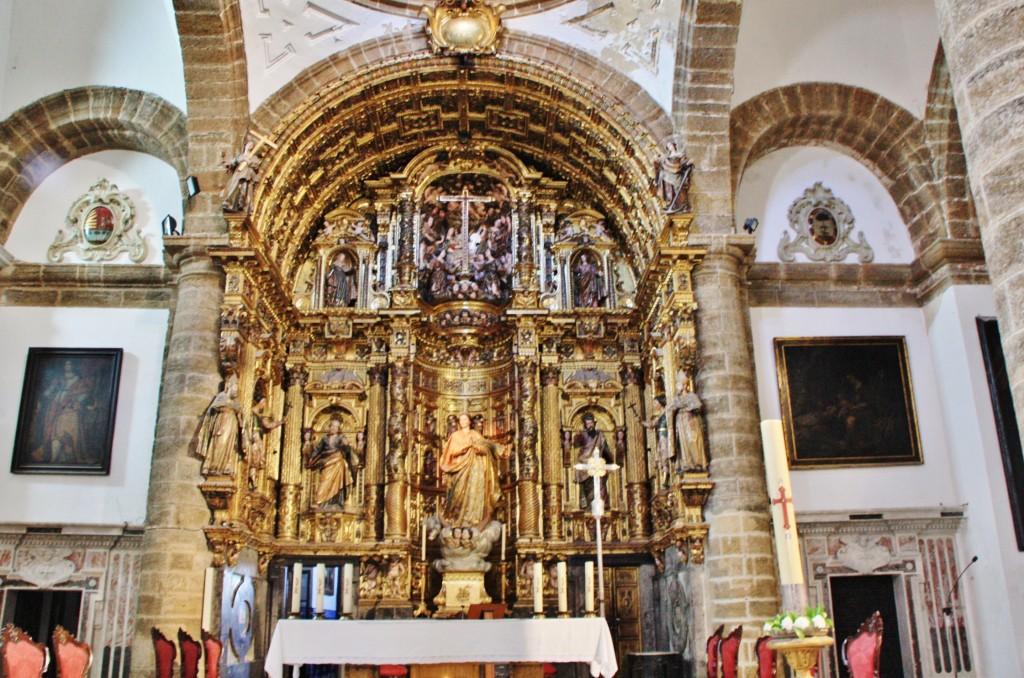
x: 801, y: 653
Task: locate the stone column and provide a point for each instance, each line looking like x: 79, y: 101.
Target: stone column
x: 529, y: 504
x: 984, y: 48
x: 174, y: 549
x: 552, y: 454
x: 740, y: 566
x: 406, y: 251
x: 373, y: 475
x: 291, y: 459
x: 396, y: 520
x: 637, y: 493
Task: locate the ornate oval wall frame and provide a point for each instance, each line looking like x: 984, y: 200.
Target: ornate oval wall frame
x: 100, y: 227
x: 824, y: 229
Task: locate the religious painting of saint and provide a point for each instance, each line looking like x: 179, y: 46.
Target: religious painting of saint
x: 465, y: 240
x: 847, y: 401
x: 66, y: 422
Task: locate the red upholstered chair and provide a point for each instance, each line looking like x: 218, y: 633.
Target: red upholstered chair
x: 713, y: 641
x: 73, y: 657
x: 765, y: 658
x: 191, y: 652
x: 165, y: 653
x: 862, y: 651
x: 729, y: 652
x: 214, y: 649
x: 20, y: 655
x: 392, y: 671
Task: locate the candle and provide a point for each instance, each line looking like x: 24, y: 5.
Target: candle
x: 503, y: 542
x: 346, y: 589
x: 563, y: 587
x: 424, y: 543
x: 208, y: 598
x: 538, y: 588
x: 787, y: 546
x: 588, y: 586
x: 296, y: 588
x: 321, y: 575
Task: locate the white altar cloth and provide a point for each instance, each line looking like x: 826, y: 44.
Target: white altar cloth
x: 441, y: 641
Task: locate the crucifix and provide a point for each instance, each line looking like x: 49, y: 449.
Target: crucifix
x: 597, y: 468
x: 465, y: 198
x: 783, y: 501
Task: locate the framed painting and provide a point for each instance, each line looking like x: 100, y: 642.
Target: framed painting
x: 68, y: 401
x: 847, y: 401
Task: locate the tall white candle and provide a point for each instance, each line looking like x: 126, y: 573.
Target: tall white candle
x: 321, y: 575
x: 424, y: 542
x: 503, y: 542
x: 588, y: 586
x: 208, y: 582
x: 346, y: 589
x: 538, y: 588
x: 787, y: 545
x: 563, y: 587
x: 296, y: 588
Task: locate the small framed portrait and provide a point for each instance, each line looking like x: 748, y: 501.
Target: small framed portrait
x: 68, y: 401
x: 847, y: 401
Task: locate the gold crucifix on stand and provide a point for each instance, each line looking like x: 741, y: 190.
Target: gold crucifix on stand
x: 465, y: 198
x: 597, y: 468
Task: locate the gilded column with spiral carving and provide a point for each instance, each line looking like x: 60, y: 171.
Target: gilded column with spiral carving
x: 396, y: 519
x: 376, y: 430
x: 637, y: 493
x: 291, y: 458
x: 529, y: 504
x: 524, y: 240
x: 552, y: 452
x: 406, y: 250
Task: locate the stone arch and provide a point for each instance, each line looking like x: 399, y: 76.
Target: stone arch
x: 43, y: 136
x: 880, y: 134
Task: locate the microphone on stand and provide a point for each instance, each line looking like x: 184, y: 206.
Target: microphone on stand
x: 948, y: 609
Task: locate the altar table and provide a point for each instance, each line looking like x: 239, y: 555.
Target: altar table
x: 442, y: 641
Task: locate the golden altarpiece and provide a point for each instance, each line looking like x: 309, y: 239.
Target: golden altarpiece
x: 466, y: 281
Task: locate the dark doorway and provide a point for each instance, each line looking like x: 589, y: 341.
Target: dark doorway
x: 854, y: 599
x: 38, y: 612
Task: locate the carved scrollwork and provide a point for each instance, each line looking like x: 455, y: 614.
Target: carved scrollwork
x: 824, y: 229
x: 464, y: 26
x: 99, y: 227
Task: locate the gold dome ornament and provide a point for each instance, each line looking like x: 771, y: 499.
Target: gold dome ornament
x: 464, y: 26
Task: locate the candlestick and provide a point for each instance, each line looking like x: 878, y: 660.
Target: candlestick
x: 588, y: 588
x: 296, y: 589
x: 538, y: 590
x: 563, y: 589
x: 424, y: 542
x: 787, y: 546
x: 503, y: 542
x: 346, y: 590
x: 321, y: 575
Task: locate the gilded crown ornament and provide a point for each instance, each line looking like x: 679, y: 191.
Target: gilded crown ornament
x: 463, y: 26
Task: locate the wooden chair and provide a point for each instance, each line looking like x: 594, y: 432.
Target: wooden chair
x: 191, y: 652
x: 165, y: 653
x: 73, y: 656
x: 714, y: 640
x: 214, y: 649
x: 765, y: 658
x: 729, y: 652
x: 20, y: 656
x: 862, y: 651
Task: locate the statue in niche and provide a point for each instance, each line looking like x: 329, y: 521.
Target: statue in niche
x: 260, y: 423
x: 220, y: 433
x: 470, y: 468
x: 674, y: 170
x: 588, y: 282
x: 339, y: 288
x: 463, y: 549
x: 659, y: 422
x: 237, y: 195
x: 335, y: 459
x: 689, y: 426
x: 590, y: 442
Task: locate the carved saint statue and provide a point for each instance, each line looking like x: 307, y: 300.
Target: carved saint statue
x: 470, y: 468
x: 692, y: 454
x: 219, y: 435
x: 335, y: 458
x: 260, y: 423
x: 238, y: 192
x: 674, y: 170
x: 589, y: 441
x: 659, y: 422
x: 340, y: 288
x: 588, y: 282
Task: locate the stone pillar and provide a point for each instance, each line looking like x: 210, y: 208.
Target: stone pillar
x: 529, y: 504
x: 638, y: 497
x: 174, y: 550
x: 396, y: 519
x: 373, y: 475
x: 291, y: 459
x: 739, y: 561
x: 984, y: 49
x: 406, y: 250
x: 552, y: 454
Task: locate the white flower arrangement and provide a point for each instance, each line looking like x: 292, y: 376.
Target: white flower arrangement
x: 813, y: 622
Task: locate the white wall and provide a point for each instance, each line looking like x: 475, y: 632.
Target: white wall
x: 995, y: 584
x: 83, y: 500
x: 770, y: 186
x: 868, y: 488
x: 150, y: 183
x: 55, y: 45
x: 886, y: 46
x: 6, y: 9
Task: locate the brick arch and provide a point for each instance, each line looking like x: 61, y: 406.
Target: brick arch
x: 883, y: 136
x: 38, y: 139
